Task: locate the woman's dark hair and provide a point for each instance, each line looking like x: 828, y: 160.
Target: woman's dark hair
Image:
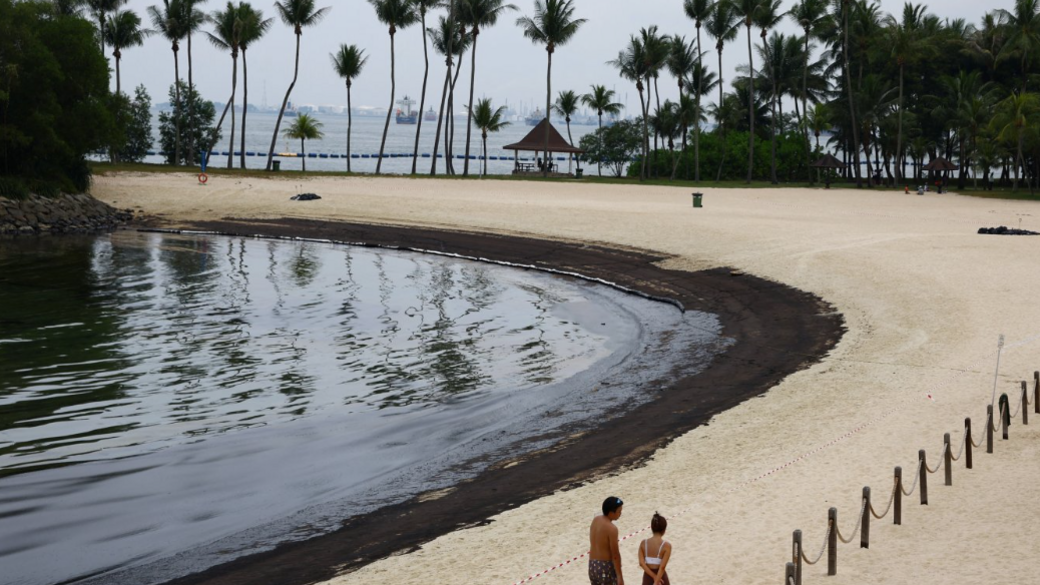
x: 658, y: 524
x: 611, y: 504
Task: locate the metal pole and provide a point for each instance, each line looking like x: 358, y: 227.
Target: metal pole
x: 1025, y: 403
x: 789, y: 574
x: 1036, y: 392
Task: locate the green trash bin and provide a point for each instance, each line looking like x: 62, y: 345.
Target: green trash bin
x: 697, y: 199
x: 578, y: 173
x: 276, y: 165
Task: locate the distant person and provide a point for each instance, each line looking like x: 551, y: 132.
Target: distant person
x: 654, y: 553
x: 604, y: 556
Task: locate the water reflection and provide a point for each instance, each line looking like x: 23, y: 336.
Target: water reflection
x: 121, y: 345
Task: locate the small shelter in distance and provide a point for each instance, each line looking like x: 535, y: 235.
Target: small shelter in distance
x: 535, y: 142
x: 828, y: 161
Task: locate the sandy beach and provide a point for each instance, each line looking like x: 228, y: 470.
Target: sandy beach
x: 924, y: 299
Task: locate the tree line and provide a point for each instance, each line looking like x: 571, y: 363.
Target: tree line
x: 888, y: 92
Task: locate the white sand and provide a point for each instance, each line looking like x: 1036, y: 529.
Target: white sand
x: 924, y: 298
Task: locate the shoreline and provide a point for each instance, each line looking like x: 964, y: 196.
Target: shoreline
x: 800, y: 323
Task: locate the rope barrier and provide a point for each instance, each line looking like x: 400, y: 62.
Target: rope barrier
x: 939, y: 465
x: 964, y: 441
x: 917, y: 476
x: 859, y: 522
x: 980, y: 443
x: 891, y: 499
x: 823, y: 548
x: 1018, y: 407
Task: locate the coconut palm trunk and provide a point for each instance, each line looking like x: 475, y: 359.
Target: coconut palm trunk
x: 303, y: 151
x: 422, y: 98
x: 899, y: 132
x: 177, y: 109
x: 751, y: 108
x: 245, y: 109
x: 697, y: 118
x: 646, y: 132
x: 548, y: 94
x: 231, y: 103
x: 722, y: 127
x: 285, y: 102
x: 350, y: 124
x: 393, y: 88
x: 484, y: 137
x: 469, y: 111
x: 852, y: 103
x: 440, y: 117
x: 118, y: 55
x: 805, y: 105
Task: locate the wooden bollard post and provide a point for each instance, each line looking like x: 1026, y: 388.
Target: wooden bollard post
x: 1036, y: 392
x: 922, y: 477
x: 1025, y: 403
x: 789, y: 574
x: 967, y: 442
x: 897, y: 505
x: 864, y: 531
x: 796, y: 555
x: 832, y: 542
x: 948, y: 459
x: 1005, y: 416
x: 989, y: 429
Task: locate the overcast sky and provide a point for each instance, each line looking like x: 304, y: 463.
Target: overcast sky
x: 509, y: 67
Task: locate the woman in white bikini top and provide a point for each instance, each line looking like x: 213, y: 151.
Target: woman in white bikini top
x: 654, y: 566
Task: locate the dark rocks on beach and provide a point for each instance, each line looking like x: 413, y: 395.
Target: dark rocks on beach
x: 1006, y: 231
x: 66, y: 213
x: 305, y: 197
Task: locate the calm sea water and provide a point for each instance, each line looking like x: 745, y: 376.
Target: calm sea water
x: 366, y: 135
x: 170, y: 402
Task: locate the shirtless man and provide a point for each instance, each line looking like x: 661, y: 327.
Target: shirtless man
x: 604, y: 556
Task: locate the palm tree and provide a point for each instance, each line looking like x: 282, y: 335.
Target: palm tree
x: 721, y: 26
x: 394, y: 14
x: 488, y: 120
x: 254, y: 27
x: 226, y: 36
x: 421, y: 7
x: 846, y: 8
x: 655, y: 49
x: 698, y: 11
x: 297, y: 14
x: 702, y: 82
x: 100, y: 9
x: 907, y: 46
x: 567, y: 105
x: 811, y: 16
x: 123, y: 32
x: 748, y: 10
x: 173, y: 26
x: 62, y: 8
x: 552, y: 25
x: 1023, y: 25
x: 348, y: 63
x: 449, y: 39
x: 601, y: 100
x: 1015, y: 116
x: 818, y: 121
x: 766, y: 17
x: 195, y: 19
x: 478, y: 14
x: 682, y: 59
x: 632, y: 65
x: 304, y: 128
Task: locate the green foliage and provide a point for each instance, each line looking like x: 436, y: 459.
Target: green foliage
x: 55, y: 103
x: 197, y: 116
x: 613, y: 146
x: 138, y: 127
x: 790, y: 159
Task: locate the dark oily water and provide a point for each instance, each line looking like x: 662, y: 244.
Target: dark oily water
x: 170, y: 402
